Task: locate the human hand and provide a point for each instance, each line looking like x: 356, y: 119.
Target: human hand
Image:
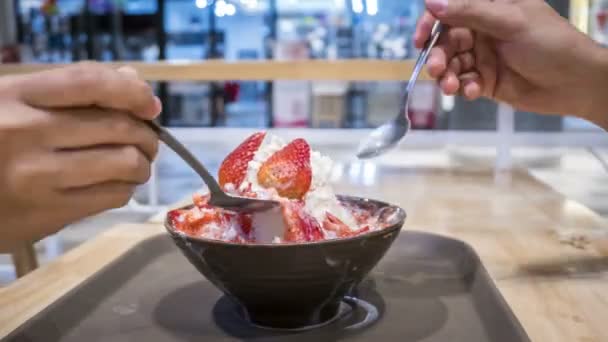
x: 72, y: 144
x: 517, y: 51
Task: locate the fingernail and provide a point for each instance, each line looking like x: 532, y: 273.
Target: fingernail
x: 437, y: 7
x: 158, y: 105
x: 467, y: 91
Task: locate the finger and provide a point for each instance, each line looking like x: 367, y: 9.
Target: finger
x: 455, y: 66
x: 467, y: 61
x: 88, y: 84
x: 456, y: 40
x: 423, y: 29
x: 497, y: 19
x: 131, y: 72
x: 462, y: 63
x: 449, y: 83
x: 91, y: 127
x: 471, y: 85
x: 91, y: 200
x: 84, y: 168
x: 472, y: 90
x: 437, y: 62
x: 486, y: 66
x: 451, y: 43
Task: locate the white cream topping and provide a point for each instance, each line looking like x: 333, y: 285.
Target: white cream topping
x: 321, y: 198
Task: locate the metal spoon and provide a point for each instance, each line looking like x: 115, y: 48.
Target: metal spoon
x: 218, y: 197
x: 389, y: 134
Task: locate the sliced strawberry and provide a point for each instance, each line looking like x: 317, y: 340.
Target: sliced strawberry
x: 175, y: 218
x: 234, y: 167
x: 364, y: 229
x: 334, y: 224
x: 198, y: 217
x: 246, y: 222
x: 300, y: 227
x: 201, y: 201
x: 361, y: 214
x: 288, y: 171
x: 191, y: 221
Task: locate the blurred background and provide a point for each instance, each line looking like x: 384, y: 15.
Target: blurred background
x: 62, y: 31
x: 567, y: 154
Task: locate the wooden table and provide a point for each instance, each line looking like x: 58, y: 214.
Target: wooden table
x: 558, y: 292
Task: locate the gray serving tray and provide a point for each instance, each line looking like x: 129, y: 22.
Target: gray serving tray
x: 427, y: 288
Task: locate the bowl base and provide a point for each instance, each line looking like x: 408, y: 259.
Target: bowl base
x: 345, y: 308
x: 354, y: 316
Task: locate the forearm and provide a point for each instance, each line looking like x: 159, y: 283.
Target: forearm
x: 598, y: 90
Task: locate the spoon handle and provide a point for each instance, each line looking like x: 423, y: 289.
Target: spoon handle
x: 424, y: 55
x: 185, y: 154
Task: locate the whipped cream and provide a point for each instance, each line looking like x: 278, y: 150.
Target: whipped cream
x: 319, y: 200
x: 321, y: 197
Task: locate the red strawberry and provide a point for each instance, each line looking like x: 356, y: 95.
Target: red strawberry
x: 288, y: 171
x: 234, y: 167
x: 200, y: 200
x: 365, y: 229
x: 175, y: 219
x: 300, y: 227
x: 244, y: 221
x: 360, y: 212
x: 198, y: 217
x: 191, y: 221
x: 334, y: 224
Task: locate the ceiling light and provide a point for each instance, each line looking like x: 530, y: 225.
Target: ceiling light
x: 230, y: 9
x: 357, y: 6
x: 372, y: 7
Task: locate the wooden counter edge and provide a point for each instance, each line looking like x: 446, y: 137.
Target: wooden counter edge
x: 26, y: 297
x: 315, y: 70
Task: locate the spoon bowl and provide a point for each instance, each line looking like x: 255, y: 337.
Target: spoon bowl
x: 387, y: 136
x: 382, y: 139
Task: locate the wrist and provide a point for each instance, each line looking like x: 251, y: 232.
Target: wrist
x: 598, y: 88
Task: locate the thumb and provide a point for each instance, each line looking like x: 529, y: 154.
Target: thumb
x: 128, y: 71
x: 496, y: 19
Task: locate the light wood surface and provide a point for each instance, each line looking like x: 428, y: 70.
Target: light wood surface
x: 557, y: 291
x: 340, y: 70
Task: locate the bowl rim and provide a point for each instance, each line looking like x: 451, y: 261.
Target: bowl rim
x: 390, y: 229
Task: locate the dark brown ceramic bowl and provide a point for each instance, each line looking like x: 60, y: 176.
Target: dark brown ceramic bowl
x: 290, y: 286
